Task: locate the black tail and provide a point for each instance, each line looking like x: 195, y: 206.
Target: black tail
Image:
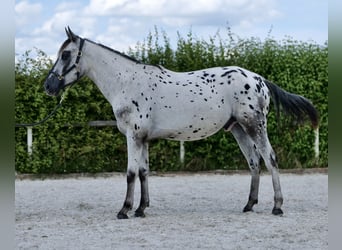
x: 292, y: 104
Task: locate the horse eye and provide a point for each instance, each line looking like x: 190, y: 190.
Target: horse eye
x: 65, y: 55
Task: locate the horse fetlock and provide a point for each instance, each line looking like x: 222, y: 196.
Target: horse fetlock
x: 123, y: 212
x: 128, y: 205
x: 139, y: 213
x: 278, y: 201
x: 143, y: 204
x: 250, y: 204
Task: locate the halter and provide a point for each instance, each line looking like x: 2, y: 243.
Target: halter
x: 74, y: 66
x: 60, y: 77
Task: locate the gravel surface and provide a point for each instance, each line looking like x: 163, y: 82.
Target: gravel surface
x: 199, y: 211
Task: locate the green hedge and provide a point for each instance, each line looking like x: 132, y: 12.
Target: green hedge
x: 298, y: 67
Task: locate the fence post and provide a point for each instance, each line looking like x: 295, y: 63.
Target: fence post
x: 316, y: 146
x: 181, y: 152
x: 29, y: 140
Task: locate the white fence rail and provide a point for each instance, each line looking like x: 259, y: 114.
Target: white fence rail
x: 113, y: 124
x: 90, y: 124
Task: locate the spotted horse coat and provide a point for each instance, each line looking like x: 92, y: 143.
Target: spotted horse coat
x: 151, y: 102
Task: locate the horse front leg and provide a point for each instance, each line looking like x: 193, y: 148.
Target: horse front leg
x: 137, y: 165
x: 143, y: 177
x: 128, y: 204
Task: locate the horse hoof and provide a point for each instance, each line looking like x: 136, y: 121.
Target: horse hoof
x: 250, y: 204
x: 247, y: 209
x: 277, y: 211
x: 139, y: 214
x: 122, y: 216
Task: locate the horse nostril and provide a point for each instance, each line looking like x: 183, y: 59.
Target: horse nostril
x: 47, y: 87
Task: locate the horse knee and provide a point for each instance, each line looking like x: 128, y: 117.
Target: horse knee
x: 130, y: 177
x: 143, y: 173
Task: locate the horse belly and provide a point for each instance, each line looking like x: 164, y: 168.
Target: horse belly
x: 190, y: 108
x: 188, y: 123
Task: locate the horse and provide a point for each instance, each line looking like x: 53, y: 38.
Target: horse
x: 151, y: 102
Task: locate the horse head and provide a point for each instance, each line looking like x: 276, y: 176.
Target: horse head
x: 68, y: 66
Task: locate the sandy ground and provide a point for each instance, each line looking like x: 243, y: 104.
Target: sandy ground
x: 200, y: 211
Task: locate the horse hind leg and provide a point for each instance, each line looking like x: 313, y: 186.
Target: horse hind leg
x: 264, y: 147
x: 273, y: 168
x: 253, y: 158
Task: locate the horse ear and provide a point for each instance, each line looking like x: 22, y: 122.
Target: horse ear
x: 70, y: 34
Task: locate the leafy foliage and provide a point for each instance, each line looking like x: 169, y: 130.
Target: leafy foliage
x: 59, y: 147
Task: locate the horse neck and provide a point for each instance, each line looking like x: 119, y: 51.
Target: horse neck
x: 107, y: 69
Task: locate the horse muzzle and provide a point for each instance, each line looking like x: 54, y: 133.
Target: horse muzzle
x: 53, y: 84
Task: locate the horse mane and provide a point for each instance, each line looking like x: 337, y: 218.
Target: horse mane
x: 122, y: 54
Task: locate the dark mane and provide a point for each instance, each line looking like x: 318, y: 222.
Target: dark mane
x: 68, y: 41
x: 120, y: 53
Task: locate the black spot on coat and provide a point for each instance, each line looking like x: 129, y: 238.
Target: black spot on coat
x: 228, y: 72
x: 243, y: 73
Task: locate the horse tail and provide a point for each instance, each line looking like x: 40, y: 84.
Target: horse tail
x: 295, y: 105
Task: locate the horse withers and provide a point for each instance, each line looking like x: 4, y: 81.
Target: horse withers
x: 151, y: 102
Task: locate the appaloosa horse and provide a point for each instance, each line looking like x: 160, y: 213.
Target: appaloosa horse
x: 151, y: 102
